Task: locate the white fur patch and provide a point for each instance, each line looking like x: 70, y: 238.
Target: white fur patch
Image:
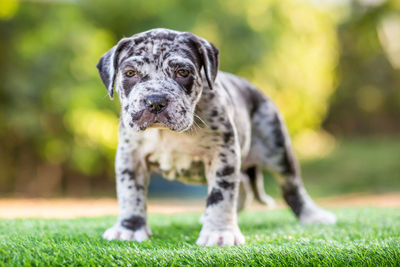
x: 221, y: 238
x: 175, y: 151
x: 118, y: 232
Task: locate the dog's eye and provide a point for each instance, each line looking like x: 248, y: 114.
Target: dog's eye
x: 182, y: 73
x: 131, y: 73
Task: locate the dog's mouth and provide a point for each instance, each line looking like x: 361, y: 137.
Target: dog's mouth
x: 145, y: 119
x: 159, y: 125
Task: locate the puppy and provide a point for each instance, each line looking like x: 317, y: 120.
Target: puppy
x: 183, y: 118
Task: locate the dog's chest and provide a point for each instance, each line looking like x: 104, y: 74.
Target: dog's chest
x: 175, y: 155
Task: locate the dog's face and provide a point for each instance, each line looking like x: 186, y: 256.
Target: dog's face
x: 158, y: 77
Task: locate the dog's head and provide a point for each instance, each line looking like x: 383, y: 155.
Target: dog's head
x: 158, y: 77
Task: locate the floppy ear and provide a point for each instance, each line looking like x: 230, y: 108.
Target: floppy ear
x: 209, y: 57
x: 210, y: 61
x: 108, y: 65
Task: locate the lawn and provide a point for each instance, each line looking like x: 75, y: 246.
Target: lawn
x: 363, y: 236
x: 356, y: 165
x: 369, y: 165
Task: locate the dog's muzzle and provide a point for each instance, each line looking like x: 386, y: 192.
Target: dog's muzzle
x: 153, y: 114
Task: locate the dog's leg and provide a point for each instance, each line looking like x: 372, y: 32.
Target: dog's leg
x: 256, y: 179
x: 223, y: 176
x: 278, y: 157
x: 132, y: 181
x: 246, y: 195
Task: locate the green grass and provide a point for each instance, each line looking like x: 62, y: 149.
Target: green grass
x: 367, y: 236
x: 370, y: 165
x: 357, y: 165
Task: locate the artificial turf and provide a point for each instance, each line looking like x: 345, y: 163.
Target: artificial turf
x: 362, y: 236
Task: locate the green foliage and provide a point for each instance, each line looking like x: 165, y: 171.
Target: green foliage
x: 54, y: 110
x: 366, y: 237
x: 367, y: 99
x: 52, y: 98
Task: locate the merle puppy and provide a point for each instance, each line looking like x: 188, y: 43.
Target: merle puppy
x: 183, y: 118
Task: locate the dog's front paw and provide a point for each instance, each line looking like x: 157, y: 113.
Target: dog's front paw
x: 317, y: 215
x: 118, y: 232
x: 220, y: 238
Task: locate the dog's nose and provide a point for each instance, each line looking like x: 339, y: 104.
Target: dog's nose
x: 156, y: 103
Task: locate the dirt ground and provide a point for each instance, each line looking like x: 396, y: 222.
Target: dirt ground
x: 74, y: 207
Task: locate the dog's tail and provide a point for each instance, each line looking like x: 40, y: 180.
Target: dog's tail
x: 252, y: 186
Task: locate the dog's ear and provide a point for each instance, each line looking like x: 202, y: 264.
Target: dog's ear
x: 208, y: 54
x: 108, y: 65
x: 210, y: 61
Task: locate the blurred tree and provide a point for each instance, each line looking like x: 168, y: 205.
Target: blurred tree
x: 58, y: 129
x: 367, y: 99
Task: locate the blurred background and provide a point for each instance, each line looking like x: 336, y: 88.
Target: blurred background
x: 332, y: 67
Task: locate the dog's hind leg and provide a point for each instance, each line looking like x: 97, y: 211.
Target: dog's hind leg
x: 272, y: 147
x: 257, y: 184
x: 252, y: 186
x: 245, y: 195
